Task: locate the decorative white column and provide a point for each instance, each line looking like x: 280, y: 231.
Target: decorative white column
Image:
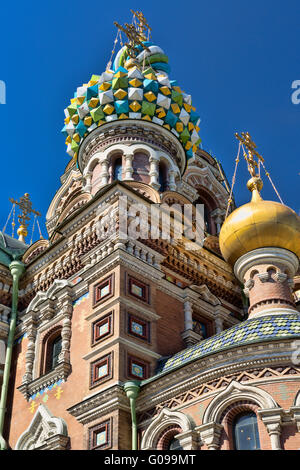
x: 188, y: 440
x: 104, y: 172
x: 272, y: 419
x: 30, y: 354
x: 128, y: 166
x: 219, y: 325
x: 88, y: 182
x: 188, y: 335
x: 154, y: 172
x: 171, y: 177
x: 210, y: 434
x: 188, y: 315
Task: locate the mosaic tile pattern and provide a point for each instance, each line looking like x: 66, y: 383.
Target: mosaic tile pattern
x: 144, y: 93
x: 20, y: 339
x: 267, y: 328
x: 81, y: 299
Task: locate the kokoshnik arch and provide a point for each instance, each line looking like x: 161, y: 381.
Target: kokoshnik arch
x: 120, y: 343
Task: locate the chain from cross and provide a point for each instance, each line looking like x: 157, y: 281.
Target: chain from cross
x: 247, y: 142
x: 25, y: 206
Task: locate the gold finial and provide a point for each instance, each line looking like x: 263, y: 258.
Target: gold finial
x: 247, y: 142
x: 135, y: 34
x: 255, y: 184
x: 143, y: 25
x: 25, y: 206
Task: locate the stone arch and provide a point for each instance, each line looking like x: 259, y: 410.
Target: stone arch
x: 164, y: 420
x: 35, y: 249
x: 44, y: 432
x: 236, y: 392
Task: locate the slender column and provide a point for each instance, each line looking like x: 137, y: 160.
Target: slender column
x: 272, y: 419
x: 66, y: 334
x: 154, y: 172
x: 219, y: 324
x: 171, y: 176
x: 88, y: 182
x: 128, y: 166
x: 210, y: 434
x: 188, y: 315
x: 30, y: 353
x: 104, y: 172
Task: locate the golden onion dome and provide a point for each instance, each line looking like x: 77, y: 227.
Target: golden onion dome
x: 259, y: 224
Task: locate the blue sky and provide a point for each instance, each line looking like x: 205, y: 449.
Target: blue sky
x: 236, y: 58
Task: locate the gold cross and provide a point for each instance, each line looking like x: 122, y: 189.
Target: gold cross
x: 247, y: 141
x: 135, y: 33
x: 143, y: 25
x: 26, y: 209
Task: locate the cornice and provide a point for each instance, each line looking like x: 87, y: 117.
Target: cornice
x: 157, y: 389
x: 100, y: 404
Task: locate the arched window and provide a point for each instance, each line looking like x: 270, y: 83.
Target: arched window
x: 174, y: 444
x: 162, y: 176
x: 55, y: 351
x: 245, y: 432
x: 51, y: 350
x: 117, y: 174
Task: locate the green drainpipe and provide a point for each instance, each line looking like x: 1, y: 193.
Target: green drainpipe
x: 16, y: 269
x: 132, y: 390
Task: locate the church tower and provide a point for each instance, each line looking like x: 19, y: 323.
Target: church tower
x: 129, y: 336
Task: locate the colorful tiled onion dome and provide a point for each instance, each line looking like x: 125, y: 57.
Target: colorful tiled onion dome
x: 134, y: 93
x: 267, y: 328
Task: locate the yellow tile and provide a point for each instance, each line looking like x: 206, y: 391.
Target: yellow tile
x: 68, y: 140
x: 175, y: 108
x: 135, y: 106
x: 76, y: 137
x: 177, y: 88
x: 80, y: 100
x: 67, y: 120
x: 123, y: 116
x: 93, y: 102
x: 190, y: 126
x: 73, y: 100
x: 187, y: 107
x: 108, y: 109
x: 147, y: 118
x: 75, y: 118
x: 120, y: 74
x: 120, y: 94
x: 105, y: 86
x: 179, y: 127
x: 135, y: 82
x: 188, y: 145
x: 88, y: 121
x: 101, y: 122
x: 151, y: 76
x: 92, y: 82
x: 165, y: 90
x: 167, y: 126
x: 150, y: 96
x: 160, y: 113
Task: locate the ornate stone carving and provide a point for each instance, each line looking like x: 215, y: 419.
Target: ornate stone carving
x: 45, y: 432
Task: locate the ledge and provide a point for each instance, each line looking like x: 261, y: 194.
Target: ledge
x: 61, y: 372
